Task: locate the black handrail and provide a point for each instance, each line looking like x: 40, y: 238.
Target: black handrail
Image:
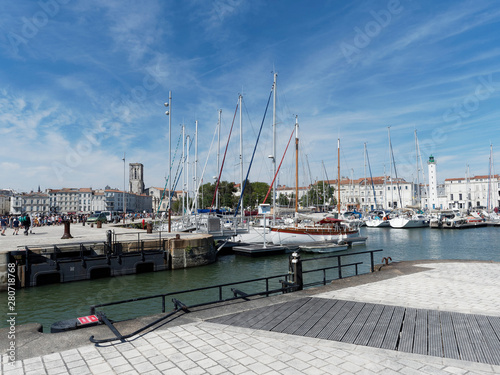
x: 372, y: 262
x: 287, y: 286
x: 219, y: 287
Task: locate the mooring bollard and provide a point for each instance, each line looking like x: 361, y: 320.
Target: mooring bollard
x: 297, y: 271
x: 67, y: 233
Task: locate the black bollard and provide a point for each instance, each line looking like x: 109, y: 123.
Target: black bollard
x: 67, y: 233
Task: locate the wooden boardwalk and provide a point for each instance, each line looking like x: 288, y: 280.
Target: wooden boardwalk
x: 473, y: 338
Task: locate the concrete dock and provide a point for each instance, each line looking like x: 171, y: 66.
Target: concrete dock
x: 216, y: 339
x: 93, y: 251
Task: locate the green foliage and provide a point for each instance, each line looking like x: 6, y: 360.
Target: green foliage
x: 314, y: 196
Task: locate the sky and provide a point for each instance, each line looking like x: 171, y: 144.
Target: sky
x: 83, y: 86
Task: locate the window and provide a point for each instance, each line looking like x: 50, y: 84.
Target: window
x: 451, y: 197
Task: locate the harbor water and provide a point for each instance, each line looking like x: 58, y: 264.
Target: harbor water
x: 50, y: 303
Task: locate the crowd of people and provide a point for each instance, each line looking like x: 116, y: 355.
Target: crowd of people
x: 28, y: 222
x: 15, y: 223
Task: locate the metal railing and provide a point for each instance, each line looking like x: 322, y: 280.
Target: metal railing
x: 293, y: 281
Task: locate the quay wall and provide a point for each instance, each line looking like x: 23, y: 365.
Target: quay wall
x: 3, y: 271
x: 37, y: 265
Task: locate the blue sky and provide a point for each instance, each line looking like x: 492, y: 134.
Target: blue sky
x: 82, y: 82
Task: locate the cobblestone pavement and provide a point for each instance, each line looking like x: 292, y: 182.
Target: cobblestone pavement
x: 207, y: 348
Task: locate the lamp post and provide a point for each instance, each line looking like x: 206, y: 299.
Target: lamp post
x: 168, y: 113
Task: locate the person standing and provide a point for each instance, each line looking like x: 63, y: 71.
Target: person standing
x: 3, y: 224
x: 15, y: 224
x: 26, y: 222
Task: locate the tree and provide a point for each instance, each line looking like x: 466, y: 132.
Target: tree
x: 283, y: 200
x: 226, y: 195
x: 315, y: 195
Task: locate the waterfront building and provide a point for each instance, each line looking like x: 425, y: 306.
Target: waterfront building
x: 65, y: 200
x: 86, y: 201
x: 133, y: 202
x: 4, y: 204
x: 30, y: 203
x: 469, y: 193
x: 156, y: 194
x: 367, y: 194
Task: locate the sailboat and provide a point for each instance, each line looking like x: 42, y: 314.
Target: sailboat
x: 321, y: 228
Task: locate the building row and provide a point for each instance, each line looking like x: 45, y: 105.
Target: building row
x: 384, y: 192
x: 364, y: 194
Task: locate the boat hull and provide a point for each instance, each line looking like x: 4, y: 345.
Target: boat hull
x: 323, y: 248
x: 408, y: 223
x: 300, y: 235
x: 377, y: 223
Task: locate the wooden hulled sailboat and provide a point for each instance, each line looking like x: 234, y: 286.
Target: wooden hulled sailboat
x: 322, y: 227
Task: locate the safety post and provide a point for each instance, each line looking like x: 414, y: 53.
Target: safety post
x: 297, y: 271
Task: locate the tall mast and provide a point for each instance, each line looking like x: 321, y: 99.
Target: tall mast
x: 274, y: 147
x: 385, y: 190
x: 196, y: 167
x: 184, y: 169
x: 188, y: 148
x: 489, y: 200
x: 296, y: 167
x: 338, y: 176
x: 218, y: 158
x: 241, y: 154
x: 169, y: 114
x: 169, y: 152
x: 324, y: 193
x: 390, y: 164
x: 366, y: 196
x: 467, y: 187
x: 417, y: 194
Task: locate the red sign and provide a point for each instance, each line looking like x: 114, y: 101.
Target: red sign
x: 88, y: 319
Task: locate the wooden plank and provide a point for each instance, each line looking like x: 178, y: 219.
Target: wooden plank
x: 368, y: 328
x: 313, y: 320
x: 317, y: 308
x: 235, y: 319
x: 346, y: 323
x: 380, y: 330
x: 325, y: 319
x: 420, y: 340
x: 450, y: 345
x: 392, y: 334
x: 357, y: 325
x: 495, y: 325
x: 408, y: 331
x: 279, y: 315
x: 464, y: 343
x: 293, y: 319
x: 336, y: 320
x: 477, y: 339
x: 435, y: 342
x: 491, y: 339
x: 265, y: 313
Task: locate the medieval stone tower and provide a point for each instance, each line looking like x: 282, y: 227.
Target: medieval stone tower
x: 136, y: 178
